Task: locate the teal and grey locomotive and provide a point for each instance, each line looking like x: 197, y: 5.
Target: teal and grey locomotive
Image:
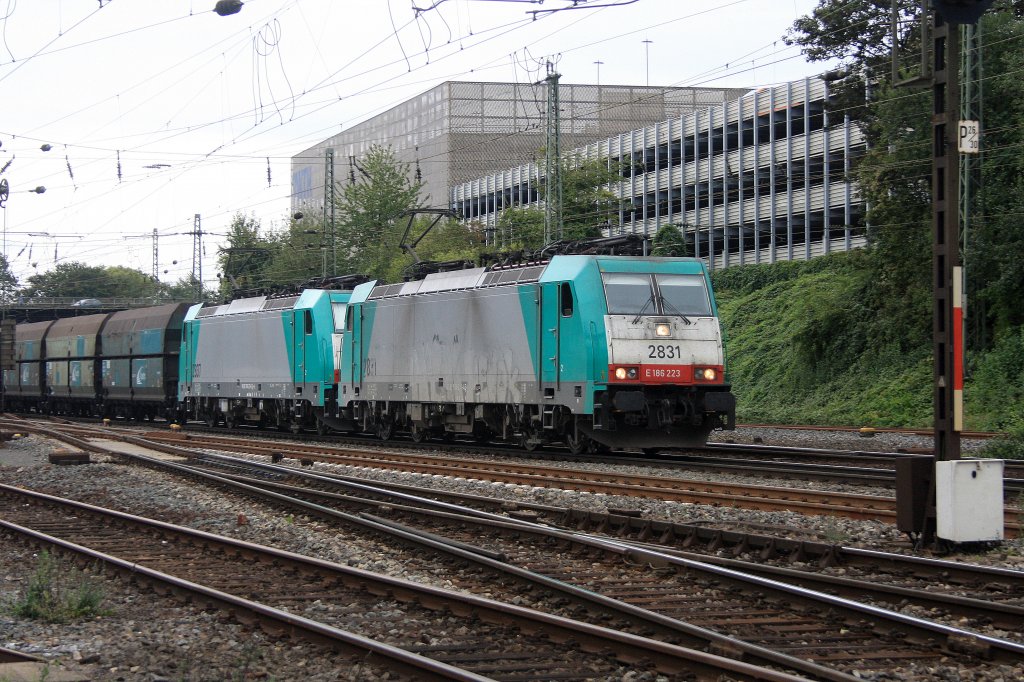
x: 584, y: 350
x: 589, y: 351
x: 265, y: 361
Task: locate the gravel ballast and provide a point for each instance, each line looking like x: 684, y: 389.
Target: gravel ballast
x: 142, y: 636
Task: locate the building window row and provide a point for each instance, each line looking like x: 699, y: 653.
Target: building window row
x: 794, y: 175
x: 718, y: 140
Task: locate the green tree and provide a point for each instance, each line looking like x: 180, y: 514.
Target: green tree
x: 587, y: 204
x: 244, y: 259
x: 297, y: 254
x: 186, y: 289
x: 368, y: 235
x: 8, y: 282
x: 669, y: 241
x: 129, y: 282
x: 521, y: 228
x: 78, y: 280
x: 996, y: 235
x: 587, y: 207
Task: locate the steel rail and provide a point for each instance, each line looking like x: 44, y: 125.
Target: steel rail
x: 918, y: 628
x: 666, y: 657
x: 403, y: 661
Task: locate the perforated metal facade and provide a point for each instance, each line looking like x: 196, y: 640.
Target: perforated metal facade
x: 460, y: 131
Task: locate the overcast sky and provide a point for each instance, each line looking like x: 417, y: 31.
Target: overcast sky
x: 194, y: 104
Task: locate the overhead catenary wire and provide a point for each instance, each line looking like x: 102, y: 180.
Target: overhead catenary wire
x: 224, y: 153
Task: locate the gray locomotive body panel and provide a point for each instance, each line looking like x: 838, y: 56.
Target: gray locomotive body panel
x: 464, y: 346
x: 243, y: 355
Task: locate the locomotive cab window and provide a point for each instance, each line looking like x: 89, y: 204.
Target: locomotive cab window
x: 683, y: 295
x: 628, y: 293
x: 566, y: 302
x: 308, y: 321
x: 646, y: 294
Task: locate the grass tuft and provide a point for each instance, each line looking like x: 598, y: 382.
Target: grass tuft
x: 58, y: 592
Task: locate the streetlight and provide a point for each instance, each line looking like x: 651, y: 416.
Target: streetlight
x: 599, y: 63
x: 227, y: 7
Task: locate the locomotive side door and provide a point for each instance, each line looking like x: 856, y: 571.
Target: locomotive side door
x: 301, y: 330
x: 549, y: 347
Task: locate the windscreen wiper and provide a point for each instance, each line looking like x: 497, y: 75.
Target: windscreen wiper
x: 642, y: 310
x: 672, y: 310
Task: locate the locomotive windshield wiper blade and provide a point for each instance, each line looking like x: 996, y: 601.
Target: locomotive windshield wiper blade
x: 640, y: 314
x: 672, y: 310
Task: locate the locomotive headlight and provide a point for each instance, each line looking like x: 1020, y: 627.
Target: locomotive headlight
x: 706, y: 374
x: 623, y: 373
x: 662, y: 330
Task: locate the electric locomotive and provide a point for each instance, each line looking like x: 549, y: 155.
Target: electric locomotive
x: 590, y: 351
x: 263, y: 361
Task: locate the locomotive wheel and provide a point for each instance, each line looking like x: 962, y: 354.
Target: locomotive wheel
x: 211, y: 419
x: 527, y: 441
x: 385, y: 429
x: 418, y: 435
x: 578, y: 443
x: 321, y: 428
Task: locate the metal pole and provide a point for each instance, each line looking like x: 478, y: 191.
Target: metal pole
x: 553, y: 161
x: 947, y: 330
x: 197, y: 256
x: 647, y: 59
x: 329, y: 212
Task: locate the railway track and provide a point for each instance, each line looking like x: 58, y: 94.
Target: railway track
x: 761, y: 497
x: 981, y: 435
x: 423, y: 632
x: 739, y: 609
x: 731, y: 494
x: 985, y: 595
x: 840, y: 654
x: 846, y: 467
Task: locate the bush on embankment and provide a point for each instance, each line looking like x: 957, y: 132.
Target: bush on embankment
x: 812, y: 342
